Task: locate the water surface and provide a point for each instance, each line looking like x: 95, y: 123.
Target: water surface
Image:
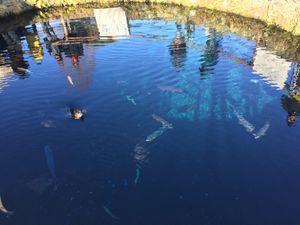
x: 184, y: 124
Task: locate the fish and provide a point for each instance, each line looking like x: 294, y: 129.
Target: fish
x: 125, y: 182
x: 122, y: 82
x: 108, y: 212
x: 129, y: 98
x: 38, y: 185
x: 170, y: 89
x: 254, y: 81
x: 137, y: 174
x: 23, y: 70
x: 187, y: 108
x: 242, y: 121
x: 48, y: 124
x: 3, y: 209
x: 156, y: 134
x: 140, y: 154
x: 70, y: 80
x: 165, y: 123
x: 50, y: 160
x: 262, y: 131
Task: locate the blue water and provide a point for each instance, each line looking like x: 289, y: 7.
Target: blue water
x: 214, y: 167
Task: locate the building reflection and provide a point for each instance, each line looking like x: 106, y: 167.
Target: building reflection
x: 65, y: 40
x: 75, y: 57
x: 274, y: 73
x: 112, y: 23
x: 284, y: 76
x: 51, y: 37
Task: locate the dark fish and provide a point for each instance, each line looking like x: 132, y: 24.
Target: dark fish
x: 50, y: 160
x: 125, y: 182
x: 38, y: 185
x: 137, y: 175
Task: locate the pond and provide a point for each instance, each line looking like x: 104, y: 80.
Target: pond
x: 189, y: 117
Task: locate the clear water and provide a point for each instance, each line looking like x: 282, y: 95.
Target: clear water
x: 224, y: 153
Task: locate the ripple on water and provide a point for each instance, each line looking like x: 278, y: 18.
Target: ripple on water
x: 199, y: 79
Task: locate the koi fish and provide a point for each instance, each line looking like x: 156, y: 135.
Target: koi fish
x: 242, y: 121
x: 129, y: 98
x: 165, y: 123
x: 121, y: 82
x: 70, y: 80
x: 3, y: 209
x: 137, y: 176
x: 170, y: 89
x: 48, y: 124
x: 50, y: 160
x: 108, y: 212
x: 156, y: 134
x: 187, y: 108
x: 254, y: 81
x: 262, y: 131
x: 140, y: 154
x: 125, y: 182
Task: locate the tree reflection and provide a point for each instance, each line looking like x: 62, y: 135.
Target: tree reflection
x: 211, y: 52
x: 12, y: 42
x: 178, y: 48
x: 291, y: 101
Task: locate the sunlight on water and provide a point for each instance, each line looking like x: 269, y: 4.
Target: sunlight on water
x: 111, y: 120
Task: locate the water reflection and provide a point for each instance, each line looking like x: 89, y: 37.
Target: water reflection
x: 275, y: 73
x: 111, y: 23
x: 291, y: 100
x: 69, y: 52
x: 209, y: 92
x: 11, y: 42
x: 65, y: 40
x: 5, y: 73
x: 210, y: 56
x: 178, y: 48
x: 33, y: 40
